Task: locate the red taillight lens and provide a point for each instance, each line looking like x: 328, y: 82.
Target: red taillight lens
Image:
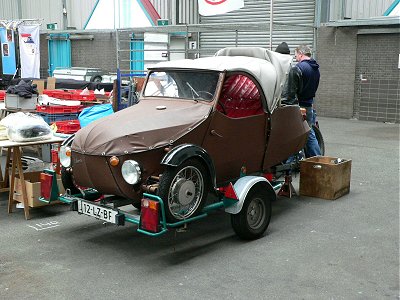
x: 46, y: 181
x: 150, y: 215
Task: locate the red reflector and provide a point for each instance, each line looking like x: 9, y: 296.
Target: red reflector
x: 150, y: 215
x: 230, y: 192
x: 46, y: 181
x: 269, y: 176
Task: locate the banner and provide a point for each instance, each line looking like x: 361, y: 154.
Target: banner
x: 29, y: 41
x: 218, y: 7
x: 8, y: 51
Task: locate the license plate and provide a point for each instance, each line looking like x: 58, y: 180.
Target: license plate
x: 99, y: 212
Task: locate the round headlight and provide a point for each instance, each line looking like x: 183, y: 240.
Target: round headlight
x: 65, y: 156
x: 131, y: 171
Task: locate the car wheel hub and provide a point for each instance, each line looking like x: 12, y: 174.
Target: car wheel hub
x: 185, y: 191
x: 256, y: 213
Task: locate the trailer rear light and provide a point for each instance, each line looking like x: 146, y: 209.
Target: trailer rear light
x: 150, y: 215
x: 46, y: 181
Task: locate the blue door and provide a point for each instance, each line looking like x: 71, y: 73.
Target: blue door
x: 59, y: 47
x: 137, y: 56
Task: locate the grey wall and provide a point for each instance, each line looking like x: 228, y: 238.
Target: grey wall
x: 377, y: 95
x: 99, y: 52
x: 346, y: 53
x: 336, y: 55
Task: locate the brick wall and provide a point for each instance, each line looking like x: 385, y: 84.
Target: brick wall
x: 344, y: 55
x: 377, y: 96
x: 97, y: 53
x: 336, y: 55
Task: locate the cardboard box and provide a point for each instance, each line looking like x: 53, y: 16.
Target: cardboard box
x: 32, y: 183
x: 40, y: 85
x: 17, y: 102
x: 325, y: 177
x: 51, y: 83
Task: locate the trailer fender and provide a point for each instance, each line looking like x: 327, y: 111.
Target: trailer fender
x: 183, y: 152
x: 242, y: 188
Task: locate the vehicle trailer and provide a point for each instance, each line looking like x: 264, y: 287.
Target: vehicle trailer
x: 248, y: 201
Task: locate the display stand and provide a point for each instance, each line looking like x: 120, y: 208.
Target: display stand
x: 16, y: 167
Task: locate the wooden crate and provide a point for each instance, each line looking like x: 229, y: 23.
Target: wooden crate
x: 324, y: 177
x: 32, y: 183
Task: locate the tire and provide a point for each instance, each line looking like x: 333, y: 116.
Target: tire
x: 320, y: 139
x: 96, y: 79
x: 68, y: 181
x: 253, y: 220
x: 184, y: 190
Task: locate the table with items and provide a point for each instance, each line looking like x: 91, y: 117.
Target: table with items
x: 14, y: 155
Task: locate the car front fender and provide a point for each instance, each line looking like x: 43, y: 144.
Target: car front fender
x: 185, y: 151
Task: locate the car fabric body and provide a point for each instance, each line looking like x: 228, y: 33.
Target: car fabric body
x: 256, y: 137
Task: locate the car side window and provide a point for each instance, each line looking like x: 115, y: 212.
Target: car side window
x: 240, y: 97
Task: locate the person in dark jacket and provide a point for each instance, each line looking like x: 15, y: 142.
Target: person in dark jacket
x: 302, y: 85
x: 283, y: 48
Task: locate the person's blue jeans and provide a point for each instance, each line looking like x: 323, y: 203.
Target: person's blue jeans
x: 312, y: 145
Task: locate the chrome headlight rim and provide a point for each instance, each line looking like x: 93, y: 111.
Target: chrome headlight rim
x: 65, y: 160
x: 131, y: 171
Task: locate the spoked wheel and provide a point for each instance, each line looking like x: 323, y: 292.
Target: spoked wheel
x: 184, y: 190
x: 252, y: 221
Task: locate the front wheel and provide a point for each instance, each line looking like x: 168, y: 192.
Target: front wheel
x: 184, y: 190
x: 252, y: 221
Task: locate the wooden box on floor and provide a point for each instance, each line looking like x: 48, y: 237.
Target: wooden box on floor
x: 325, y: 177
x: 32, y: 183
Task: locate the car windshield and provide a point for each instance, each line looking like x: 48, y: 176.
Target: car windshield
x: 197, y: 85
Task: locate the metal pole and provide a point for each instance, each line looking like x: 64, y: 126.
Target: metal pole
x: 65, y: 17
x: 271, y: 22
x: 19, y: 7
x: 317, y: 24
x: 117, y: 46
x: 342, y: 6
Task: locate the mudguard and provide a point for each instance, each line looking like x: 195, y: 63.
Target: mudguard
x: 242, y: 188
x: 185, y: 151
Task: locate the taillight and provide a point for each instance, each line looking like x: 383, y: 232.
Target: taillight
x: 150, y: 215
x: 46, y: 181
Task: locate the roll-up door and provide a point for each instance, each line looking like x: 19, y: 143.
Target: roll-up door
x: 293, y: 23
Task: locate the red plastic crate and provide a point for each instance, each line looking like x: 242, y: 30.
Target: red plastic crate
x: 68, y: 126
x: 72, y: 95
x: 59, y: 109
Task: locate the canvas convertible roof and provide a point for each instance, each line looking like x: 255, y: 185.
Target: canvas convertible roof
x: 269, y: 68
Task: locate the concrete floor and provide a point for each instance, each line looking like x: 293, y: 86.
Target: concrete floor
x: 313, y: 248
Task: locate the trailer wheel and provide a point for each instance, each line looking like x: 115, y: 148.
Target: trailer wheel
x: 184, y: 190
x: 252, y: 221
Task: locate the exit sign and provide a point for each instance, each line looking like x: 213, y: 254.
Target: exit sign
x: 162, y: 22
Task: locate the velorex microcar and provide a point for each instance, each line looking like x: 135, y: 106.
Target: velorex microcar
x: 204, y: 136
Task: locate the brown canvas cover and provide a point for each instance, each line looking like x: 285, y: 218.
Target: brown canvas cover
x: 152, y: 123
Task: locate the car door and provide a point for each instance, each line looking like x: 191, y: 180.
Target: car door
x: 236, y: 135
